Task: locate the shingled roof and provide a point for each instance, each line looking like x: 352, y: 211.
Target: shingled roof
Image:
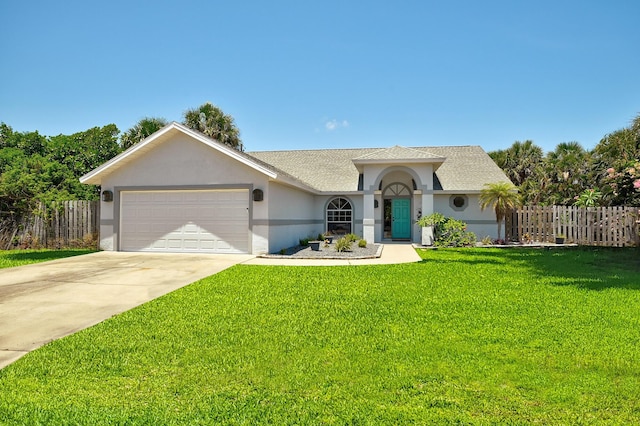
x: 462, y: 168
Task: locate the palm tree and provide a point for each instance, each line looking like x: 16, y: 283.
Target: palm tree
x: 143, y: 129
x: 213, y: 122
x: 502, y: 196
x: 567, y: 168
x: 521, y: 162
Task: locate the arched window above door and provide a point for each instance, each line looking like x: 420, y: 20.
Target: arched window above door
x: 396, y: 190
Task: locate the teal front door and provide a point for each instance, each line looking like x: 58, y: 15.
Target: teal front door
x: 401, y: 218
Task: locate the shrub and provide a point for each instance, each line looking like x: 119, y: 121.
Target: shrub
x: 352, y: 237
x: 304, y: 241
x: 487, y: 241
x: 447, y: 231
x: 433, y: 219
x: 343, y: 244
x: 362, y: 243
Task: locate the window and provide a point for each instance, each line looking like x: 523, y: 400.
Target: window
x: 339, y: 216
x: 458, y: 202
x: 397, y: 190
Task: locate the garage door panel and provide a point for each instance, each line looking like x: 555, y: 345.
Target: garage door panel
x: 213, y: 221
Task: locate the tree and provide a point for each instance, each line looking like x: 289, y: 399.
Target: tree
x: 518, y: 161
x: 502, y: 197
x: 567, y: 170
x: 34, y: 168
x: 622, y: 186
x: 522, y: 163
x: 29, y: 142
x: 614, y: 165
x: 620, y: 147
x: 213, y: 122
x: 84, y: 151
x: 143, y: 129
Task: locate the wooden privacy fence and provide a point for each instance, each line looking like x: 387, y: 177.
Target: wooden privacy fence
x: 597, y: 226
x: 65, y: 224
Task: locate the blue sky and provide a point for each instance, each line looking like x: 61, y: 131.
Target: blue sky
x: 328, y: 74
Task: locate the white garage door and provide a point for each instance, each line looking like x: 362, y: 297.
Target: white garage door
x: 211, y: 221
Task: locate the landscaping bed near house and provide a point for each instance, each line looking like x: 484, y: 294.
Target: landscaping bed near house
x: 468, y: 336
x: 328, y: 251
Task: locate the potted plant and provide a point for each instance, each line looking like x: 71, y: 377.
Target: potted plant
x: 328, y: 237
x: 315, y: 245
x: 428, y: 225
x: 560, y: 238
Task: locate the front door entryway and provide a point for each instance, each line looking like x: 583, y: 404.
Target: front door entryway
x: 401, y: 219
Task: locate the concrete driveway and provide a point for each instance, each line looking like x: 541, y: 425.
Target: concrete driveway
x: 43, y: 302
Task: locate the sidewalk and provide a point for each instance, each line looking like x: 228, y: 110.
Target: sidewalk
x: 391, y: 253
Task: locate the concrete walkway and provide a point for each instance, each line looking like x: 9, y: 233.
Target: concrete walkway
x: 46, y: 301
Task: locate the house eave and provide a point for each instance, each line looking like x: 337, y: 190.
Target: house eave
x: 358, y: 161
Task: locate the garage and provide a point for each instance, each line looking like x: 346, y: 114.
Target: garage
x: 185, y: 221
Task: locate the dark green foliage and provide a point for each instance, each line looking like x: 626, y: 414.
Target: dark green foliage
x: 34, y: 168
x: 447, y: 231
x: 213, y: 122
x: 143, y: 129
x: 568, y: 174
x: 304, y: 241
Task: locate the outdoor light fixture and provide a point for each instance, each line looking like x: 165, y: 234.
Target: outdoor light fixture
x: 375, y: 204
x: 107, y: 196
x: 258, y: 195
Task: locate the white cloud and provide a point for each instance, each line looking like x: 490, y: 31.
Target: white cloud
x: 335, y: 124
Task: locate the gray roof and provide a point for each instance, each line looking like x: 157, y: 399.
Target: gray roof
x: 465, y: 168
x: 398, y: 153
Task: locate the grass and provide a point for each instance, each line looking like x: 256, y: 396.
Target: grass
x: 469, y: 336
x: 11, y: 258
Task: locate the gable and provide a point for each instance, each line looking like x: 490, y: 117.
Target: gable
x: 182, y: 160
x: 175, y: 150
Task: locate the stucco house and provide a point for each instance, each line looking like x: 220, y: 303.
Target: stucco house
x: 181, y: 191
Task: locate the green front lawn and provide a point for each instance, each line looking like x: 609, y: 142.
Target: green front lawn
x: 469, y: 336
x: 11, y: 258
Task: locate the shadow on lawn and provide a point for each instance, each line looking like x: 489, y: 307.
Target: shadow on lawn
x: 591, y: 268
x: 44, y: 255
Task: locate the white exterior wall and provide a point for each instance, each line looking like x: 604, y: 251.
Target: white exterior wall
x: 297, y: 214
x: 183, y: 163
x: 291, y: 216
x: 481, y: 223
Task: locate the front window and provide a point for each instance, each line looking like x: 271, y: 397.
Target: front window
x: 339, y: 216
